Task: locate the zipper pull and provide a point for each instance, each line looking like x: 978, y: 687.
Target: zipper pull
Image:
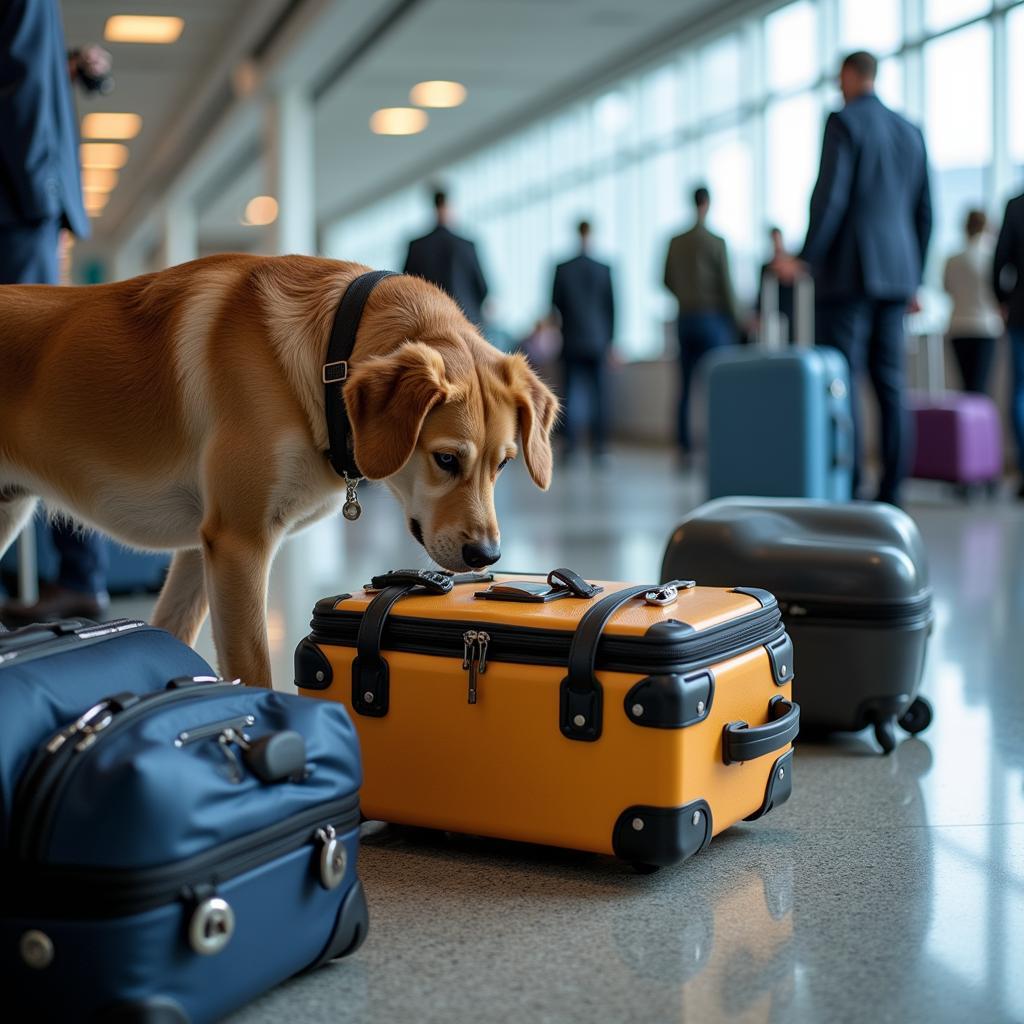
x: 483, y: 639
x: 469, y: 640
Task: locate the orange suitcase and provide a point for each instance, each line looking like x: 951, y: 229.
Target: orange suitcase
x: 631, y: 720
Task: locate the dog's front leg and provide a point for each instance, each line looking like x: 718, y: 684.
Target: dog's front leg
x: 237, y: 566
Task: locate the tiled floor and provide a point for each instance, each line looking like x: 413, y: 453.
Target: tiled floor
x: 886, y: 889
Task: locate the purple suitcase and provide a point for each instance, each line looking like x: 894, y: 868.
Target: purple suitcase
x: 958, y: 437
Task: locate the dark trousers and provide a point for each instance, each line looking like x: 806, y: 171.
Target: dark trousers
x: 1017, y: 392
x: 869, y: 332
x: 974, y: 356
x: 585, y: 387
x: 699, y: 333
x: 28, y: 255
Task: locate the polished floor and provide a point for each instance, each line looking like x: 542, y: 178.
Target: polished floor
x: 886, y: 889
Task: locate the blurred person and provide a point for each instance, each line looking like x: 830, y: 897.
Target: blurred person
x: 780, y: 261
x: 583, y: 297
x: 1008, y: 284
x: 975, y: 323
x: 697, y: 274
x: 40, y: 196
x: 450, y: 262
x: 870, y: 222
x: 543, y: 344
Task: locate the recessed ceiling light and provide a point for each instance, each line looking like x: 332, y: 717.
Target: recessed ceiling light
x: 98, y: 179
x: 260, y: 210
x: 438, y: 94
x: 111, y: 126
x: 398, y: 121
x: 95, y: 201
x: 104, y: 154
x: 142, y: 28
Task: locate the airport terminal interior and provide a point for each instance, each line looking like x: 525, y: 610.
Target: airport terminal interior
x: 571, y: 146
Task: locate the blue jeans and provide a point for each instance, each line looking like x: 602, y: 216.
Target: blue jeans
x: 699, y: 333
x: 869, y: 332
x: 28, y: 255
x: 1017, y: 394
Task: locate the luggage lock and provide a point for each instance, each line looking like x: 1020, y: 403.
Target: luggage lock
x: 333, y: 858
x: 211, y: 926
x: 668, y: 593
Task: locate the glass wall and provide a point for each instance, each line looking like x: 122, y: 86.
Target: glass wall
x: 742, y: 111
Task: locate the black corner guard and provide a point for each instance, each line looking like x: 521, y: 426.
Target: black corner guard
x: 581, y: 714
x: 350, y: 928
x: 156, y: 1010
x: 662, y: 835
x: 780, y: 654
x: 370, y: 689
x: 328, y: 604
x: 312, y: 668
x: 763, y: 597
x: 670, y: 701
x: 743, y: 742
x: 780, y: 785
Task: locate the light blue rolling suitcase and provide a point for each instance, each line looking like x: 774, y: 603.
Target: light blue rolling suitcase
x: 780, y: 422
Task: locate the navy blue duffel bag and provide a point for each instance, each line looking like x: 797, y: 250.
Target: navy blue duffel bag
x: 172, y: 845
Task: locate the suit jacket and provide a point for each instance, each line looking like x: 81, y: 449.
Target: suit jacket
x: 871, y: 212
x: 39, y: 176
x: 582, y: 294
x: 1010, y: 257
x: 451, y: 263
x: 697, y: 274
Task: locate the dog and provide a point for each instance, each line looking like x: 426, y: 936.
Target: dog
x: 184, y: 410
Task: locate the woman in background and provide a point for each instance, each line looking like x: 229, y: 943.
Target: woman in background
x: 975, y: 323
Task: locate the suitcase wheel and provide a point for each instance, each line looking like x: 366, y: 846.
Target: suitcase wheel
x: 917, y: 717
x: 885, y: 733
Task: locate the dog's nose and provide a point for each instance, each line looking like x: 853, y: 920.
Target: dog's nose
x: 479, y: 555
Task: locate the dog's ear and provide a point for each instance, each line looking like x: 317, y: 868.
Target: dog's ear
x: 537, y: 408
x: 388, y: 398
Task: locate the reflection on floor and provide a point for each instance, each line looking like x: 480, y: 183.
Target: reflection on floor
x: 886, y: 889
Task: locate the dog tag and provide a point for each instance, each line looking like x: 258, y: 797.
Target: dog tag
x: 351, y: 510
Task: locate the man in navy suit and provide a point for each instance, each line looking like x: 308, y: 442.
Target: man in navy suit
x: 40, y: 195
x: 583, y: 297
x: 450, y: 262
x: 870, y: 222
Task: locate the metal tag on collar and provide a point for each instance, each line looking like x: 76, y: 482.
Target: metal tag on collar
x: 351, y: 510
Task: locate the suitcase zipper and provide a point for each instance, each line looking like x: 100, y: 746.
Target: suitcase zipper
x: 474, y: 657
x: 42, y: 786
x: 114, y: 892
x: 82, y: 636
x: 883, y: 614
x: 551, y: 647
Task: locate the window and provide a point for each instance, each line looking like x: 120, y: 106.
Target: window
x: 874, y: 25
x: 729, y: 173
x: 1015, y: 86
x: 721, y: 72
x: 791, y: 41
x: 940, y: 14
x: 793, y: 130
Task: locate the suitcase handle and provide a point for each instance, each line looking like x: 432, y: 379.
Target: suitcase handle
x: 842, y: 432
x: 743, y: 742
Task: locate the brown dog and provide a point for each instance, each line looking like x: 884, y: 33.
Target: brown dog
x: 185, y: 410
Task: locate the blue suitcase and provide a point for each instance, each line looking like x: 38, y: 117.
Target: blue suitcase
x: 173, y: 845
x: 779, y: 423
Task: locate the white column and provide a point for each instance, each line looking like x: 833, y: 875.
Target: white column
x: 181, y: 235
x: 290, y: 172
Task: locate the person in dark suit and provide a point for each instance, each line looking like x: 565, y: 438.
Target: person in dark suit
x: 785, y: 307
x: 583, y: 297
x: 41, y: 195
x: 870, y: 221
x: 450, y: 262
x: 1008, y: 283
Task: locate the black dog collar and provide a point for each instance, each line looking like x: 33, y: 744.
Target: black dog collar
x: 335, y: 373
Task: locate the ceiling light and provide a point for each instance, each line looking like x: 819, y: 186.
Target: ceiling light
x: 260, y: 210
x: 98, y: 179
x: 111, y: 126
x: 438, y: 94
x: 104, y: 154
x: 398, y: 121
x: 142, y: 28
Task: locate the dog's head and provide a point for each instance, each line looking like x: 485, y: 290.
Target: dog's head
x: 438, y: 422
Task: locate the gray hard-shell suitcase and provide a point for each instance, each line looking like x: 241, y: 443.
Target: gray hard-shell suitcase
x: 852, y: 581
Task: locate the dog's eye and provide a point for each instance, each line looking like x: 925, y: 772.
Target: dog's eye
x: 503, y: 464
x: 448, y: 462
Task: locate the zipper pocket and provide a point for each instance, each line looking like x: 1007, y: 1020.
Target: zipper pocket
x: 82, y: 636
x: 42, y: 786
x: 114, y: 892
x: 205, y: 732
x: 884, y: 614
x: 551, y: 647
